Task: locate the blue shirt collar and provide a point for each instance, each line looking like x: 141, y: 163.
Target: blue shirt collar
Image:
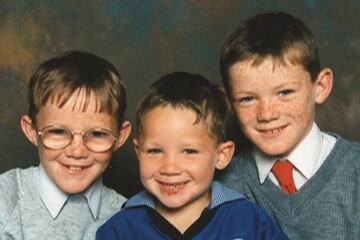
x: 219, y: 195
x: 54, y: 199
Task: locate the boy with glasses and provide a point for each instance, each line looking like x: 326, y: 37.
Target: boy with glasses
x: 76, y: 120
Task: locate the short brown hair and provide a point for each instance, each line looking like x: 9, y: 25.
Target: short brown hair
x: 188, y: 91
x: 277, y: 35
x: 57, y: 79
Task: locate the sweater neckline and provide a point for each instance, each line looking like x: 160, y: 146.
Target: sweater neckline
x: 292, y: 204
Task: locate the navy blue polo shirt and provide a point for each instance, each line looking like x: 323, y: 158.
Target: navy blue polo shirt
x: 229, y: 216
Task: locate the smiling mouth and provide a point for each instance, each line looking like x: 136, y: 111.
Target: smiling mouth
x: 272, y: 132
x: 171, y: 188
x: 75, y: 169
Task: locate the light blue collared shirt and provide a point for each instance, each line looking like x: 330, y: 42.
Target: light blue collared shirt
x: 54, y: 199
x: 219, y: 195
x: 307, y: 157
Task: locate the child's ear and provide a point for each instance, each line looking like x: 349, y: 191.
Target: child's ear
x: 136, y: 146
x: 123, y: 134
x: 28, y: 129
x: 323, y: 85
x: 225, y: 153
x: 227, y: 98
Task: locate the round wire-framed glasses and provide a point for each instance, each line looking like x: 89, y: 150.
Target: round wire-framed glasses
x: 58, y: 137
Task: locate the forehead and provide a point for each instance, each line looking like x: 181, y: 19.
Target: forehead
x: 252, y: 73
x: 80, y: 109
x: 169, y: 112
x: 179, y: 117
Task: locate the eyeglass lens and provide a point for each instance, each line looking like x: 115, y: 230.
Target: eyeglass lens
x: 97, y: 140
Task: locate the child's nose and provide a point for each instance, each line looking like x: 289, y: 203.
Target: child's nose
x: 77, y: 148
x: 170, y: 165
x: 267, y: 110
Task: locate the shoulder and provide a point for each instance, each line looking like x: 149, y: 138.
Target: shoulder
x: 234, y: 175
x: 112, y: 196
x: 241, y: 157
x: 354, y: 150
x: 343, y: 142
x: 237, y: 165
x: 353, y: 154
x: 221, y: 194
x: 347, y: 150
x: 234, y: 203
x: 134, y: 210
x: 243, y: 219
x: 247, y: 207
x: 125, y: 222
x: 354, y: 147
x: 246, y: 217
x: 111, y: 201
x: 13, y: 184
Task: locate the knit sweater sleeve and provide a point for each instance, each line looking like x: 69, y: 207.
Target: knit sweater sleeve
x: 356, y: 154
x: 9, y: 196
x: 233, y: 175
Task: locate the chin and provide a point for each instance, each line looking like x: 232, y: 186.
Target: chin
x: 173, y: 206
x: 275, y: 150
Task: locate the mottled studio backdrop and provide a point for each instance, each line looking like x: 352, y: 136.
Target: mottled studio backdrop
x: 145, y: 39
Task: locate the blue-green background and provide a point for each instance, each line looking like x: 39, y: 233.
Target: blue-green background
x: 146, y: 39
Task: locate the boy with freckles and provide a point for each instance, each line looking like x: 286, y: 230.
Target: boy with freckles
x: 76, y: 121
x: 181, y: 141
x: 308, y: 180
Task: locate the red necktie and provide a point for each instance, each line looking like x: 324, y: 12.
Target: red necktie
x: 283, y: 171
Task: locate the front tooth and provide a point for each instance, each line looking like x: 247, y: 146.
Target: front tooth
x: 274, y: 131
x: 173, y: 186
x: 73, y: 168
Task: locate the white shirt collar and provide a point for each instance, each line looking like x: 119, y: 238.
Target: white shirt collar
x: 93, y: 196
x: 303, y: 157
x: 54, y: 199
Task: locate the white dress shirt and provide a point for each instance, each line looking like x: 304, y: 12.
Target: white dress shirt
x: 54, y: 199
x: 307, y: 157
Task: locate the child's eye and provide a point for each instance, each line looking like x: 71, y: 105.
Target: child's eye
x: 246, y: 99
x: 154, y: 151
x: 98, y: 134
x: 286, y: 92
x: 190, y: 151
x: 56, y: 131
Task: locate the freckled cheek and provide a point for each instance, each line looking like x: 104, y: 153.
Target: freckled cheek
x: 298, y: 109
x: 245, y: 116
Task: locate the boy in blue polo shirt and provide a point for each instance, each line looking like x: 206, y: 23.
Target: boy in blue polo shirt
x: 181, y: 141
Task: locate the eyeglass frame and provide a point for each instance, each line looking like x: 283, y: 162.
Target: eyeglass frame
x: 72, y: 133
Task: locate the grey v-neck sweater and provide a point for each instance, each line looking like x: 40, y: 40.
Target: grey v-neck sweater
x: 326, y: 207
x: 24, y: 216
